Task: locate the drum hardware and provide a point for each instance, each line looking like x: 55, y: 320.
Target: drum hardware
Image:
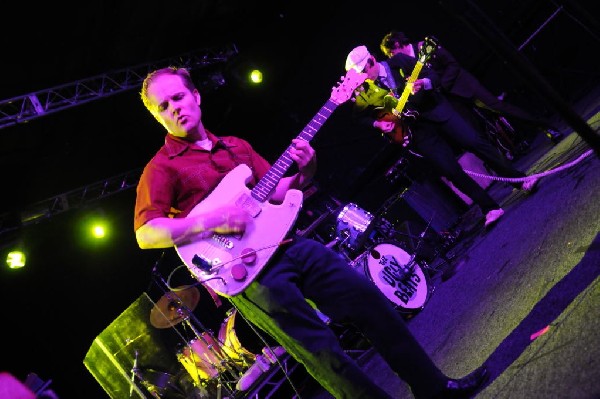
x: 420, y: 238
x: 331, y: 244
x: 344, y: 239
x: 157, y: 383
x: 439, y: 253
x: 317, y: 222
x: 128, y: 341
x: 397, y: 171
x: 422, y: 235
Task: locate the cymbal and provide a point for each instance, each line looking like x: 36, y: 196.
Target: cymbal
x: 174, y: 307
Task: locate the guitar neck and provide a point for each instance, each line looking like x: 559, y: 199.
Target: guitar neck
x: 407, y: 89
x: 267, y: 184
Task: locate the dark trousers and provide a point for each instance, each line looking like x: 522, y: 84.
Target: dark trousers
x: 486, y: 98
x: 277, y: 303
x: 432, y: 140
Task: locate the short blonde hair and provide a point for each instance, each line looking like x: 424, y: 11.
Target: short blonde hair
x: 183, y: 73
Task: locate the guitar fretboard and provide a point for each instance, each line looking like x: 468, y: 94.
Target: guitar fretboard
x: 406, y: 92
x: 267, y: 184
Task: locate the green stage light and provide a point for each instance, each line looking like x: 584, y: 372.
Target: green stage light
x: 98, y: 231
x: 256, y: 76
x: 16, y: 259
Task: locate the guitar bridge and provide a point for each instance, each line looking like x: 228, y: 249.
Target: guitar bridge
x: 223, y: 241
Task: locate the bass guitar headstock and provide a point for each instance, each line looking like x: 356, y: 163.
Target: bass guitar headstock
x: 430, y: 44
x: 345, y: 89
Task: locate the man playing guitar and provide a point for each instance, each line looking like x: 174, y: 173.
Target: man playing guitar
x: 194, y: 167
x: 434, y: 123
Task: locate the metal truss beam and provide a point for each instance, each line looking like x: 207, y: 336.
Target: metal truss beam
x: 37, y: 104
x: 34, y: 105
x: 77, y: 198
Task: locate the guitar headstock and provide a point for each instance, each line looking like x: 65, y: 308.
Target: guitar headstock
x: 430, y: 44
x: 345, y: 89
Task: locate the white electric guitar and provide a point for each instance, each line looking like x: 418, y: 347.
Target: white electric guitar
x: 229, y: 263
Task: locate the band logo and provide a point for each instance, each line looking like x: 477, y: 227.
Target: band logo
x: 400, y: 276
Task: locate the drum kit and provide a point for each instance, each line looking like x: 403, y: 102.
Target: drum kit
x: 369, y: 243
x: 215, y: 365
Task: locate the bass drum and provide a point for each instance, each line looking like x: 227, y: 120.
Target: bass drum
x: 396, y: 274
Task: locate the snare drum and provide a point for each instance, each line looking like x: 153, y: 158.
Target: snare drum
x: 396, y: 274
x: 351, y: 226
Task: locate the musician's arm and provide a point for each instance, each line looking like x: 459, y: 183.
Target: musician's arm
x: 433, y: 80
x: 430, y: 80
x: 447, y: 67
x: 363, y: 112
x: 165, y: 232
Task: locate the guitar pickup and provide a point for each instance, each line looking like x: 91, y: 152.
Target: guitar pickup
x: 202, y: 263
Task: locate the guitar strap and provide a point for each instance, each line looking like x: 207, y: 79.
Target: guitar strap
x: 389, y: 79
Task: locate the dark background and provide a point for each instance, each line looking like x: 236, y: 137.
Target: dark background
x: 72, y: 290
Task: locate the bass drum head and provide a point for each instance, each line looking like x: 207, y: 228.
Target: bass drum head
x: 397, y: 275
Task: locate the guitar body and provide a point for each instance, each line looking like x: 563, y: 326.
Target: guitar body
x: 400, y: 134
x: 228, y: 254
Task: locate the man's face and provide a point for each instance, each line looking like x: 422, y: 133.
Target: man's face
x: 404, y: 49
x: 371, y: 69
x: 175, y: 106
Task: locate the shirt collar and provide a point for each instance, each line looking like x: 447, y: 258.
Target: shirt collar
x: 176, y: 145
x: 382, y: 72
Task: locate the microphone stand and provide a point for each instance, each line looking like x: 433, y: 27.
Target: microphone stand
x: 134, y: 371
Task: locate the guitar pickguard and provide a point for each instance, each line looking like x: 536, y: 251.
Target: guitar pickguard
x: 232, y: 262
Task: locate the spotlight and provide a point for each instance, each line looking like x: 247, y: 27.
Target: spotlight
x: 256, y: 76
x: 16, y: 259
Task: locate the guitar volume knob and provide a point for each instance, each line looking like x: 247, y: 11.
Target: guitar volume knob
x: 238, y: 272
x: 248, y: 256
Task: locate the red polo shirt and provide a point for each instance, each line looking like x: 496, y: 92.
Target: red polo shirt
x: 181, y: 174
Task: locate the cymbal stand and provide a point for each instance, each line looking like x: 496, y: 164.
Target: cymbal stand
x: 383, y: 209
x: 341, y: 244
